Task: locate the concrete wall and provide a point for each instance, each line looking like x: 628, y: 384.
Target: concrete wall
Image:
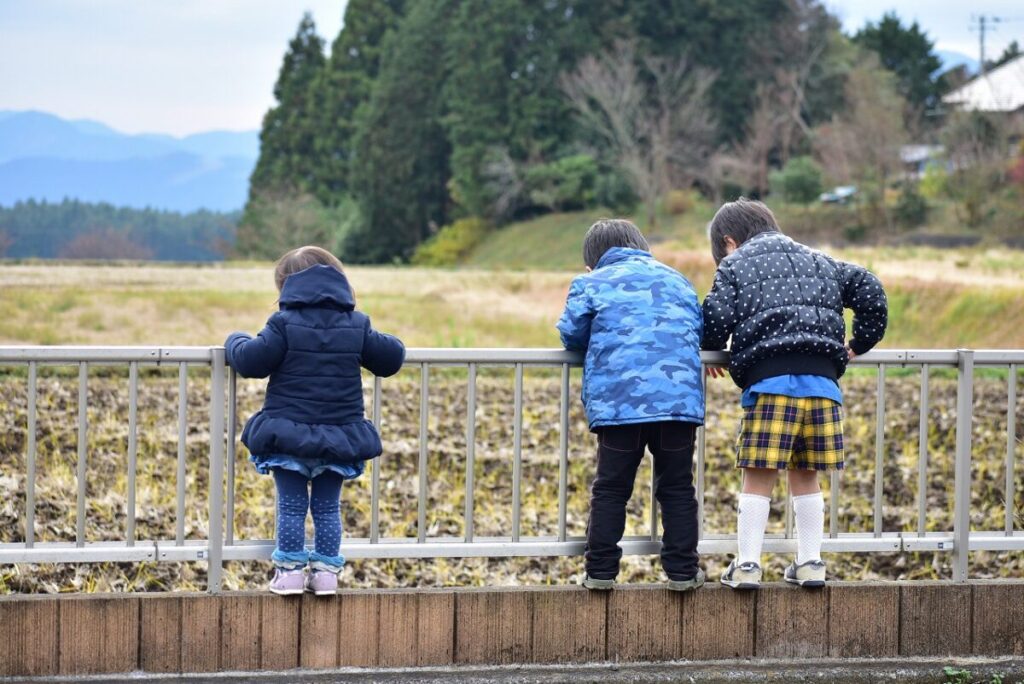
x: 49, y: 635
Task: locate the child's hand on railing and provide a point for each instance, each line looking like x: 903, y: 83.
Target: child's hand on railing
x: 715, y: 371
x: 850, y: 352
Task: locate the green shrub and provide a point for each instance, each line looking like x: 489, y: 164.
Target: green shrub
x: 614, y: 192
x: 911, y: 208
x: 798, y: 181
x: 566, y: 184
x: 678, y: 202
x: 451, y: 243
x: 933, y: 182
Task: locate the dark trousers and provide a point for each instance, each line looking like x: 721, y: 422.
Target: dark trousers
x: 619, y: 452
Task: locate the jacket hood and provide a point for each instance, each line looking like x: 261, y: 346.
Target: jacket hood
x: 617, y: 254
x: 317, y: 286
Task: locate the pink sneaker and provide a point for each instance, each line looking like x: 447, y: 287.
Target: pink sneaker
x: 322, y: 583
x: 287, y: 582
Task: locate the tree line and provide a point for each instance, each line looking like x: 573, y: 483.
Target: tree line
x: 72, y: 229
x: 442, y: 116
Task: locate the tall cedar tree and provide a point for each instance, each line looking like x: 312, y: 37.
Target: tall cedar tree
x: 726, y: 36
x: 400, y: 172
x: 288, y: 137
x: 504, y: 60
x: 345, y: 86
x: 907, y: 52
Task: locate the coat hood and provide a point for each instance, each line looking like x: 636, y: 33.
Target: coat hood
x: 617, y: 254
x: 319, y: 285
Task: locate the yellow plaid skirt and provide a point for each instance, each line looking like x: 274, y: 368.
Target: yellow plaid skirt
x: 791, y: 433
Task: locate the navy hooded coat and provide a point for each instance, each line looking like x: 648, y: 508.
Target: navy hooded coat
x: 312, y: 349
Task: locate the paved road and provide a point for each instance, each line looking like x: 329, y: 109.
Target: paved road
x: 847, y: 671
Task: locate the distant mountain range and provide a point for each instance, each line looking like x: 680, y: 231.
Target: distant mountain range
x: 43, y: 156
x: 951, y: 60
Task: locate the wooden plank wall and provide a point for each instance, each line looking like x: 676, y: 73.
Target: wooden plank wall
x: 70, y: 635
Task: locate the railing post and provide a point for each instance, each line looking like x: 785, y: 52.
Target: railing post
x: 962, y: 468
x: 216, y: 526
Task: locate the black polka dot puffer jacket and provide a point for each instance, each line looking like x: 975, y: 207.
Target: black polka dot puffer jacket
x: 782, y: 303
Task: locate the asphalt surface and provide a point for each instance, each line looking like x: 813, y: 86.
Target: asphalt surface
x: 857, y: 671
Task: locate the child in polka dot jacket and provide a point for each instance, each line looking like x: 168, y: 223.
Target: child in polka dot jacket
x: 312, y: 433
x: 782, y: 304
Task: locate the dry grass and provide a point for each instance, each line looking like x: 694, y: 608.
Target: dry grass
x: 977, y: 305
x: 200, y: 305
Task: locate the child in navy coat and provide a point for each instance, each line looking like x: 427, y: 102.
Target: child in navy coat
x: 312, y: 433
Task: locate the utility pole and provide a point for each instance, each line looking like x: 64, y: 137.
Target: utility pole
x: 983, y: 23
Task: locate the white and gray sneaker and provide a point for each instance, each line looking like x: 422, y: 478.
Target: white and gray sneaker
x: 742, y: 575
x: 810, y: 574
x: 595, y: 583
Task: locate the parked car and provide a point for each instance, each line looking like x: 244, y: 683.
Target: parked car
x: 839, y: 195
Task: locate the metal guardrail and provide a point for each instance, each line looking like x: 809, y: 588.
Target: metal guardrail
x: 222, y: 545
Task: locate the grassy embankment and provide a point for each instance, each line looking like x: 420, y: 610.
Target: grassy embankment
x: 965, y: 297
x: 938, y: 298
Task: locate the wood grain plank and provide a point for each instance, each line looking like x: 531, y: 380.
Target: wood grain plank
x: 30, y: 630
x: 240, y: 632
x: 318, y: 645
x: 99, y: 635
x: 935, y: 619
x: 569, y: 625
x: 644, y: 624
x: 358, y: 618
x: 998, y: 618
x: 200, y: 633
x: 279, y: 632
x: 160, y: 629
x: 864, y: 620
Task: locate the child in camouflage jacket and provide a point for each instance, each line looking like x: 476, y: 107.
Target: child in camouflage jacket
x: 639, y: 324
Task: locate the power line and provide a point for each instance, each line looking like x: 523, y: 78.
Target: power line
x: 984, y: 24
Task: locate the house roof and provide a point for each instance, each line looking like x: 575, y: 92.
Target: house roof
x: 999, y: 90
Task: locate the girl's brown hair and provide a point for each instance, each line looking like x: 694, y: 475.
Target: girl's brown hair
x: 302, y: 258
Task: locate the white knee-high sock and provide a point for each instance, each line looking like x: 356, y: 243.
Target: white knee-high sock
x: 810, y: 521
x: 750, y: 524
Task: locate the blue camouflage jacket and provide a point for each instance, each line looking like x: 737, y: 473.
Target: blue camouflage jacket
x: 640, y: 325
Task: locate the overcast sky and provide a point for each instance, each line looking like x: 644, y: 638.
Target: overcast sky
x: 182, y: 66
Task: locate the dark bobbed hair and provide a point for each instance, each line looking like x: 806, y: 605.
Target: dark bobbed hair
x: 740, y: 220
x: 300, y: 259
x: 608, y: 233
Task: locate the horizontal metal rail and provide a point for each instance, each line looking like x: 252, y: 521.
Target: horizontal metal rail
x: 485, y: 547
x: 223, y: 543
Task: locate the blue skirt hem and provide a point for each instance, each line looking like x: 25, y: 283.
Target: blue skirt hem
x: 307, y: 467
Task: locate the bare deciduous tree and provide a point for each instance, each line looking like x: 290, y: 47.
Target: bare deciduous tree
x: 5, y: 242
x: 104, y: 244
x: 651, y: 115
x: 778, y: 124
x: 504, y: 183
x: 747, y: 163
x: 862, y: 144
x: 977, y: 147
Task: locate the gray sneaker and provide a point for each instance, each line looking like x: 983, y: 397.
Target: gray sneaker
x: 695, y: 582
x: 287, y: 582
x: 742, y: 576
x: 596, y: 584
x: 810, y: 575
x: 322, y: 583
